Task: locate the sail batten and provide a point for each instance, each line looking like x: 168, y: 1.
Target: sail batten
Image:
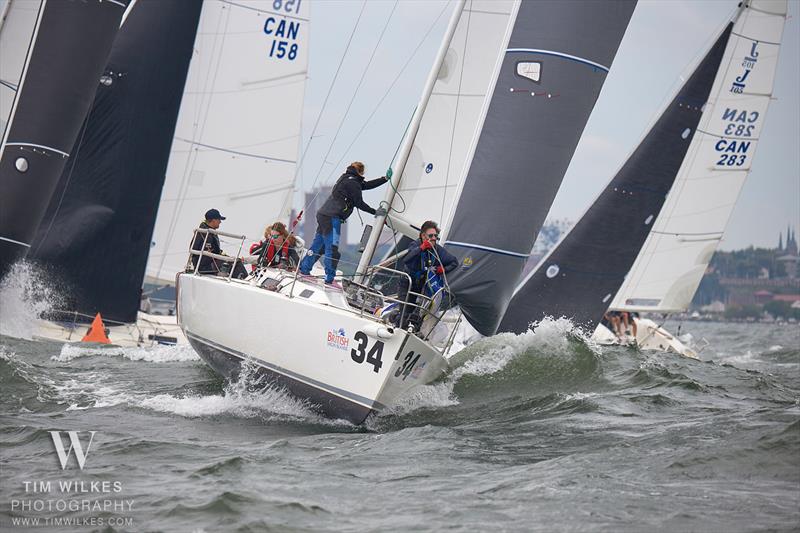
x: 55, y: 92
x: 246, y: 82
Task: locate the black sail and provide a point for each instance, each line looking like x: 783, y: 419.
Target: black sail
x: 70, y: 48
x: 558, y: 57
x: 581, y: 275
x: 97, y: 231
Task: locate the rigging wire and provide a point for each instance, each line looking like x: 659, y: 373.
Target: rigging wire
x: 189, y: 168
x: 355, y: 93
x: 372, y: 114
x: 330, y: 90
x: 389, y: 90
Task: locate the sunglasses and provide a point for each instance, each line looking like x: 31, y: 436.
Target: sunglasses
x: 432, y: 235
x: 275, y: 235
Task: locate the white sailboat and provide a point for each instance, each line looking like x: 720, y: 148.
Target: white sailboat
x: 323, y: 344
x: 330, y: 346
x: 674, y: 258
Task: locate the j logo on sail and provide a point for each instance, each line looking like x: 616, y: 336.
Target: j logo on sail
x: 74, y: 444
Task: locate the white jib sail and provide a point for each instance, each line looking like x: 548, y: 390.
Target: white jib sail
x: 17, y: 20
x: 674, y: 258
x: 238, y: 131
x: 436, y: 162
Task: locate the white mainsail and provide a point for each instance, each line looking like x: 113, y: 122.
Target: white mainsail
x: 17, y: 20
x: 238, y: 132
x: 674, y: 258
x: 436, y: 162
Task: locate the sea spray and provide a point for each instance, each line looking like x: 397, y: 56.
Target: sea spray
x: 150, y: 354
x: 247, y: 397
x: 25, y: 295
x: 557, y: 348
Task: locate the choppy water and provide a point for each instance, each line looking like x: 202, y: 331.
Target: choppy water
x: 534, y: 432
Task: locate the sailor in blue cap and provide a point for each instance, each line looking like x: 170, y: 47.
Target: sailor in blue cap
x: 209, y: 265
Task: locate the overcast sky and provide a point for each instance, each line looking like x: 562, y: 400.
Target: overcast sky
x: 662, y: 40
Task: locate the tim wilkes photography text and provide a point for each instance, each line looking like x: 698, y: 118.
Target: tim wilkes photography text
x: 73, y: 497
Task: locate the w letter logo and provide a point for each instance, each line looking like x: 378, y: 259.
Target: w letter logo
x: 74, y: 444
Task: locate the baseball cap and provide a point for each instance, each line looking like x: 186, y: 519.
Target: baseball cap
x: 214, y: 214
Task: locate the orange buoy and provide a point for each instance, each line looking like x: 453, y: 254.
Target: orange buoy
x: 97, y: 333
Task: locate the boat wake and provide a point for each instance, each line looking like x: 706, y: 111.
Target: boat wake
x: 247, y: 397
x: 150, y: 354
x: 80, y: 387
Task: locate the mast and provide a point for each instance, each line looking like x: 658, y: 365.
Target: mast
x: 408, y: 141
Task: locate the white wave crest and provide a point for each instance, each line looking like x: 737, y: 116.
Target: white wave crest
x: 549, y: 336
x: 6, y: 355
x: 25, y: 295
x: 247, y: 398
x: 150, y: 354
x: 489, y: 355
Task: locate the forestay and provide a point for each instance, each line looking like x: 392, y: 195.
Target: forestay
x: 436, y: 162
x: 580, y: 276
x: 545, y: 85
x: 238, y: 132
x: 674, y: 258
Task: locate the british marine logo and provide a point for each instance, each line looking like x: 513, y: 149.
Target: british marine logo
x: 337, y: 338
x: 467, y: 262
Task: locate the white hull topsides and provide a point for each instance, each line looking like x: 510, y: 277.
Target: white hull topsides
x: 305, y: 338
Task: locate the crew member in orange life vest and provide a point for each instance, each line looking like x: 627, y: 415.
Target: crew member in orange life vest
x: 277, y: 250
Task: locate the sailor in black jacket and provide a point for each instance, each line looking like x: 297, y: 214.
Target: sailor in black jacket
x: 209, y: 265
x: 344, y: 199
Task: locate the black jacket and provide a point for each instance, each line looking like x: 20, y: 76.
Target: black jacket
x: 417, y: 261
x: 346, y: 195
x: 207, y: 264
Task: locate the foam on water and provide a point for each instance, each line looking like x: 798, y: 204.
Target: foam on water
x: 490, y: 355
x: 245, y: 398
x: 549, y: 336
x: 150, y: 354
x: 24, y: 296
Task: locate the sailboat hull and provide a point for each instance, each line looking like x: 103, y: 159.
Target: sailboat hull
x: 649, y: 336
x: 148, y: 330
x: 344, y: 364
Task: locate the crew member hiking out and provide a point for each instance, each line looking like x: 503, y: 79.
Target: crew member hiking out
x: 344, y: 199
x: 426, y: 264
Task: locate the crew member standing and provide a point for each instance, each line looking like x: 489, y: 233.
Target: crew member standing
x: 344, y: 199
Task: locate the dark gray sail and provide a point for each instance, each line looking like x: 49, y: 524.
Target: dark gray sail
x: 97, y: 231
x: 580, y: 277
x: 72, y: 40
x: 558, y: 57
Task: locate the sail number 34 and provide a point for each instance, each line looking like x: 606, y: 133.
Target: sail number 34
x: 373, y: 356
